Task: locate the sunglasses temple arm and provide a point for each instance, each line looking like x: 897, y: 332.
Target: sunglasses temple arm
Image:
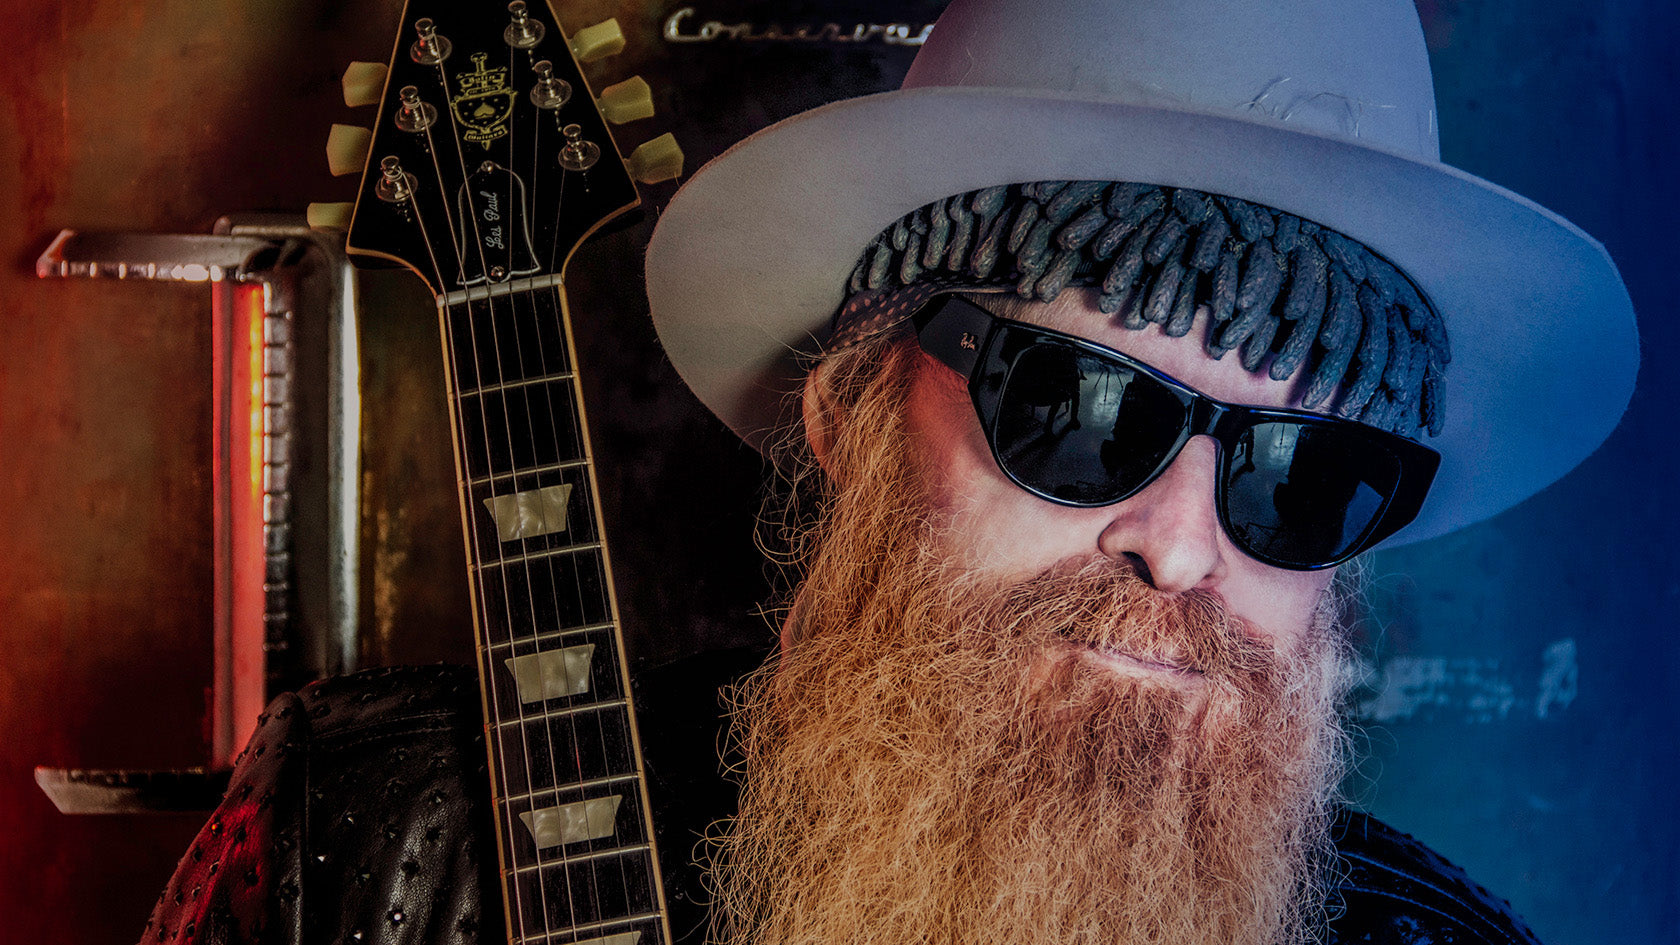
x: 955, y: 331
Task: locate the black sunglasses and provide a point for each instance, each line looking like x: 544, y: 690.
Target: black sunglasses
x: 1083, y: 425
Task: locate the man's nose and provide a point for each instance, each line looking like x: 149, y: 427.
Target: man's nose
x: 1170, y: 530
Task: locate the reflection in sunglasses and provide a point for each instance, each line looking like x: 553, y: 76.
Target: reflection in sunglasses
x: 1084, y: 425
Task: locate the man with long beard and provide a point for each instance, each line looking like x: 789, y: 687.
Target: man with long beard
x: 1065, y: 663
x: 943, y: 754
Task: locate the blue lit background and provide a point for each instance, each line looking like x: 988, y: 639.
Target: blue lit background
x: 1573, y: 104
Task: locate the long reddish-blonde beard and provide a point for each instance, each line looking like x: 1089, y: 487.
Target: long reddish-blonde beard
x: 946, y: 758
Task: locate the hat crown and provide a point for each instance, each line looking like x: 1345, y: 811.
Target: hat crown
x: 1356, y: 70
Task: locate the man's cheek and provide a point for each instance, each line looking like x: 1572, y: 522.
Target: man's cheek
x: 1279, y: 609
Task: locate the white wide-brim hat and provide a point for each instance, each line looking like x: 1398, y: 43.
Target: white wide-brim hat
x: 1320, y: 108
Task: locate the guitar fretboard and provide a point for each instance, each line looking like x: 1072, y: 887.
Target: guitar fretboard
x: 578, y: 858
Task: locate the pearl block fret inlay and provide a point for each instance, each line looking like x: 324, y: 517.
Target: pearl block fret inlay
x: 529, y: 514
x: 552, y: 673
x: 572, y: 823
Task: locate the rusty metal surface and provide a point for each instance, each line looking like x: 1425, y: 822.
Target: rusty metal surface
x: 117, y: 116
x: 165, y: 116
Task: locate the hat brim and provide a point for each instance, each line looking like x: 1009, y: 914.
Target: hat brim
x: 749, y: 260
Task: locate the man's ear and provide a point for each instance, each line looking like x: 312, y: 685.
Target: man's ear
x: 818, y: 411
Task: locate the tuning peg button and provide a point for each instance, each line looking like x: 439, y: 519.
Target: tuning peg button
x: 329, y: 216
x: 347, y: 148
x: 658, y: 160
x: 363, y: 83
x: 627, y: 101
x: 598, y: 42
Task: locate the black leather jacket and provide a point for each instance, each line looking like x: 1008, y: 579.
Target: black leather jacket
x: 354, y: 816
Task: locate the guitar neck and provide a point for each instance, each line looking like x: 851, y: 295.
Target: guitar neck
x: 489, y: 164
x: 574, y: 835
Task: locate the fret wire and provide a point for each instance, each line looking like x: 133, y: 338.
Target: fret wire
x: 576, y: 859
x: 519, y: 436
x: 552, y: 635
x: 529, y: 471
x: 503, y: 561
x: 509, y: 799
x: 514, y: 385
x: 496, y: 302
x: 577, y: 762
x: 573, y: 930
x: 552, y: 714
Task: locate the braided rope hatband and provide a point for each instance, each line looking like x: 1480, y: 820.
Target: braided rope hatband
x: 1270, y: 282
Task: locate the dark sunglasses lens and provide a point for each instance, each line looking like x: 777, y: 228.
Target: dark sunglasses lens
x: 1303, y: 495
x: 1083, y: 429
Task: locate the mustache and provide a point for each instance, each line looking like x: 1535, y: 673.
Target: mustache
x: 1102, y: 605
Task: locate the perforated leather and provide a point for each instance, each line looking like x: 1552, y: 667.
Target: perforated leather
x: 356, y: 814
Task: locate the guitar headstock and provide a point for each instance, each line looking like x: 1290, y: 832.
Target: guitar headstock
x: 491, y: 160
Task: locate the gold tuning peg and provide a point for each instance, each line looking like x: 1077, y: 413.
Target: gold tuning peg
x: 627, y: 101
x: 598, y: 42
x: 363, y: 83
x: 657, y: 160
x: 329, y: 216
x: 347, y: 148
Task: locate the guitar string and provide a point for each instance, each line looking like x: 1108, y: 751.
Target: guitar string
x: 543, y: 370
x: 615, y: 641
x: 451, y: 355
x: 503, y: 816
x: 461, y: 315
x: 619, y: 673
x: 602, y: 597
x: 549, y: 564
x: 553, y: 566
x: 616, y: 635
x: 590, y: 473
